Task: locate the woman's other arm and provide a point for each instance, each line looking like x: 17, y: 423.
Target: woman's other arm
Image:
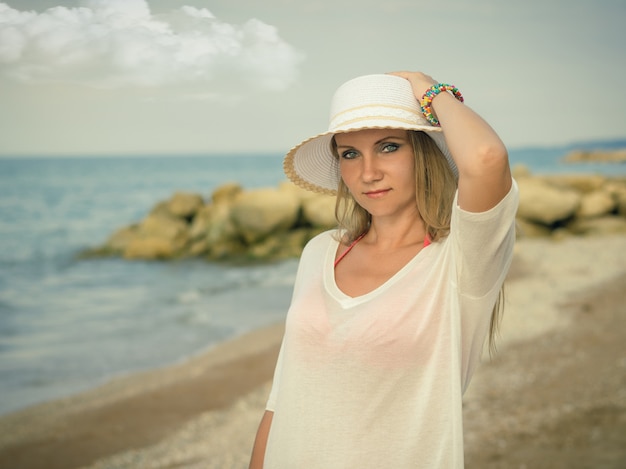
x: 260, y: 442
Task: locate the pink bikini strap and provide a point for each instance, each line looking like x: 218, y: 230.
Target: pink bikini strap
x: 343, y: 254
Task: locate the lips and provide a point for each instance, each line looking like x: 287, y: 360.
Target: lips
x: 377, y: 193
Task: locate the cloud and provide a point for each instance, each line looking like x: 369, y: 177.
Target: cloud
x: 119, y: 43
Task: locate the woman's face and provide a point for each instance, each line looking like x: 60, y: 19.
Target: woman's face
x: 378, y: 167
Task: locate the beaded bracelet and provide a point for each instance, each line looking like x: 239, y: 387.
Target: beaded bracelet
x: 430, y: 94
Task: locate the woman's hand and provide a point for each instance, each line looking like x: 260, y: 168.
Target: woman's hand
x: 420, y: 82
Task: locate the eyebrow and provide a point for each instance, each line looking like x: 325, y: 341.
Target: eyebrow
x: 377, y: 142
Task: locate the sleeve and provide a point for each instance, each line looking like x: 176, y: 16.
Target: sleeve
x: 483, y: 251
x: 271, y: 401
x: 484, y: 245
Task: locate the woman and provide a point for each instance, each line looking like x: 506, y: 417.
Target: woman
x: 390, y: 312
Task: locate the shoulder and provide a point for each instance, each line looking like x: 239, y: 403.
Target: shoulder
x: 321, y: 241
x: 313, y: 256
x: 505, y: 208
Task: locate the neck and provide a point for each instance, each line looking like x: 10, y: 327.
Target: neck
x: 400, y: 233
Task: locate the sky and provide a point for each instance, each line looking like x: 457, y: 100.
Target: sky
x: 148, y: 77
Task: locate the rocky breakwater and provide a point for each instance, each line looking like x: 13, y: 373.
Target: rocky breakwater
x: 600, y: 156
x: 575, y: 204
x: 275, y: 223
x: 233, y: 225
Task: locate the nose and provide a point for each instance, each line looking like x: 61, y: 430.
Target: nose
x: 370, y: 170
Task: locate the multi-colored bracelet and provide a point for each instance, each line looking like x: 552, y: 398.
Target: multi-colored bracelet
x: 427, y: 99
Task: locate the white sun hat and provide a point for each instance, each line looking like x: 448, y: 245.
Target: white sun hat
x: 367, y: 102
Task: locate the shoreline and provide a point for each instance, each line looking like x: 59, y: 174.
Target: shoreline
x: 120, y: 383
x: 139, y: 409
x: 204, y: 412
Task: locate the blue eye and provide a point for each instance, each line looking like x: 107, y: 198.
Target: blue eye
x: 349, y: 155
x: 389, y: 147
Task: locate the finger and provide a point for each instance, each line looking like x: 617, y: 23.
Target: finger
x: 400, y: 74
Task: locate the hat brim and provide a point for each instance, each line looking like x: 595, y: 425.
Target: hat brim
x: 313, y: 166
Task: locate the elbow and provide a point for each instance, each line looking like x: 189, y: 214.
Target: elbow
x: 490, y: 159
x: 493, y: 157
x: 486, y: 178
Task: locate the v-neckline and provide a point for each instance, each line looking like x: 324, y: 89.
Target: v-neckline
x: 346, y: 300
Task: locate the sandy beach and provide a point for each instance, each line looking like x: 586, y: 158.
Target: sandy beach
x: 554, y: 396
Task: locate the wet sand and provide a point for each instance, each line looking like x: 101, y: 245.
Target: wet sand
x: 553, y: 397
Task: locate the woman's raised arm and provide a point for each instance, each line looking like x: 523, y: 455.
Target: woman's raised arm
x: 479, y: 153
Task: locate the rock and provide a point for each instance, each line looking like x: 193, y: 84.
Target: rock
x: 282, y: 246
x: 261, y: 212
x: 621, y: 204
x: 198, y: 248
x: 220, y: 224
x: 200, y: 224
x: 598, y: 226
x: 595, y: 204
x: 160, y: 209
x: 527, y: 229
x: 613, y: 156
x: 184, y: 205
x: 119, y: 240
x: 296, y: 191
x: 319, y: 211
x: 276, y: 223
x: 228, y: 250
x: 150, y: 248
x: 617, y: 188
x: 212, y: 228
x: 158, y: 236
x: 159, y: 226
x: 226, y: 193
x: 560, y: 233
x: 540, y: 202
x: 583, y: 183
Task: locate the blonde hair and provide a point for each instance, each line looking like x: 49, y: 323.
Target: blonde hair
x: 435, y: 188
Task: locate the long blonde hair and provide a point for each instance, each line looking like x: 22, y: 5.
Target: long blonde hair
x: 435, y: 187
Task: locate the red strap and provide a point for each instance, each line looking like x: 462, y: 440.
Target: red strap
x: 343, y: 254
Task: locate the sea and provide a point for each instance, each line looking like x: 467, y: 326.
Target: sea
x: 68, y: 324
